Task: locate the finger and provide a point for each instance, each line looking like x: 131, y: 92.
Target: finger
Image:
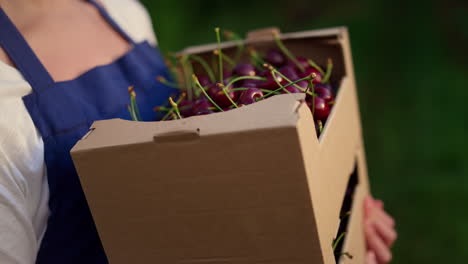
x: 379, y: 204
x: 384, y: 216
x: 368, y: 205
x: 371, y: 258
x: 386, y: 233
x: 375, y: 244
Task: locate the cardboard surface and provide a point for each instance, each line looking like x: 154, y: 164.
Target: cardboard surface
x: 252, y: 185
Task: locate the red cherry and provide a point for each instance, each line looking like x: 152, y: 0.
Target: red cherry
x: 201, y: 105
x: 250, y: 96
x: 270, y: 83
x: 204, y: 80
x: 324, y: 85
x: 309, y: 71
x: 275, y: 58
x: 185, y: 108
x: 204, y: 112
x: 244, y: 69
x: 321, y: 109
x: 290, y: 73
x: 302, y: 61
x: 292, y: 89
x: 217, y: 94
x: 324, y: 93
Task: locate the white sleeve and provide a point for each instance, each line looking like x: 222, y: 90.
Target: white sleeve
x: 18, y: 242
x: 133, y: 17
x: 24, y: 189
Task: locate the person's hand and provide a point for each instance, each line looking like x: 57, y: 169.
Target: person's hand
x: 379, y: 228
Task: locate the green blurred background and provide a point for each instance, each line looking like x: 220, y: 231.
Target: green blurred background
x: 411, y: 64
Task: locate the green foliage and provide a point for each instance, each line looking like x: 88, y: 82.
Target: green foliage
x: 411, y: 65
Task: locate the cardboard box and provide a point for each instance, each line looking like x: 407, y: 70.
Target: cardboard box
x: 249, y: 186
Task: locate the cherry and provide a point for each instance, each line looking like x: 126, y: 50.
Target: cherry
x: 250, y: 96
x: 325, y: 94
x: 204, y: 112
x: 292, y: 89
x: 204, y: 80
x: 227, y: 73
x: 244, y: 69
x: 249, y: 84
x: 302, y: 61
x: 270, y: 83
x: 185, y: 107
x: 321, y: 109
x: 309, y: 71
x: 290, y: 73
x: 217, y: 94
x: 275, y: 58
x: 324, y: 85
x: 201, y: 105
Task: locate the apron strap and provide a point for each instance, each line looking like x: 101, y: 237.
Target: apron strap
x: 111, y: 21
x: 19, y: 51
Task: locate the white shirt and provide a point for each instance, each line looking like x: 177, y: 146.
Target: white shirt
x: 24, y: 191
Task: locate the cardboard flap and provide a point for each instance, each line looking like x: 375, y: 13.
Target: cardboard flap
x: 264, y: 34
x: 277, y: 111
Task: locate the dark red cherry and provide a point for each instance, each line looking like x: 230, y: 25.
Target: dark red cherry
x: 201, y: 105
x: 227, y: 73
x: 185, y: 108
x: 250, y: 84
x: 309, y: 71
x: 275, y: 58
x: 217, y: 94
x: 325, y: 94
x: 290, y: 73
x: 204, y: 112
x: 302, y: 61
x: 244, y: 69
x: 324, y: 85
x: 292, y: 89
x: 321, y: 109
x: 270, y: 83
x: 204, y: 80
x: 250, y: 96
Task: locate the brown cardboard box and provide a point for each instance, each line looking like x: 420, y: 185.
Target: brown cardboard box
x: 249, y: 186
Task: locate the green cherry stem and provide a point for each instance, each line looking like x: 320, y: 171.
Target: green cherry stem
x: 132, y: 114
x: 223, y: 88
x: 277, y: 82
x: 320, y: 126
x: 286, y: 51
x: 188, y: 71
x: 133, y: 103
x: 205, y: 66
x: 287, y: 79
x: 195, y: 79
x: 239, y: 43
x: 171, y: 110
x: 347, y: 255
x: 226, y: 58
x: 244, y: 78
x: 246, y: 88
x: 220, y: 55
x: 277, y: 91
x: 315, y: 65
x: 164, y: 81
x: 327, y: 76
x: 337, y: 241
x: 175, y: 107
x: 255, y: 58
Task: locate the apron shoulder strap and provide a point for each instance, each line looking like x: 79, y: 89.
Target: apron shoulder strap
x: 24, y: 58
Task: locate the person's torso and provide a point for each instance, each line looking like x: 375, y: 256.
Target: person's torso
x: 62, y: 112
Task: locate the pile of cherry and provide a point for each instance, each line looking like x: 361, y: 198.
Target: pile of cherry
x: 230, y: 83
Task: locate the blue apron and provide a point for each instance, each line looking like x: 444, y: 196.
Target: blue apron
x: 63, y: 112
